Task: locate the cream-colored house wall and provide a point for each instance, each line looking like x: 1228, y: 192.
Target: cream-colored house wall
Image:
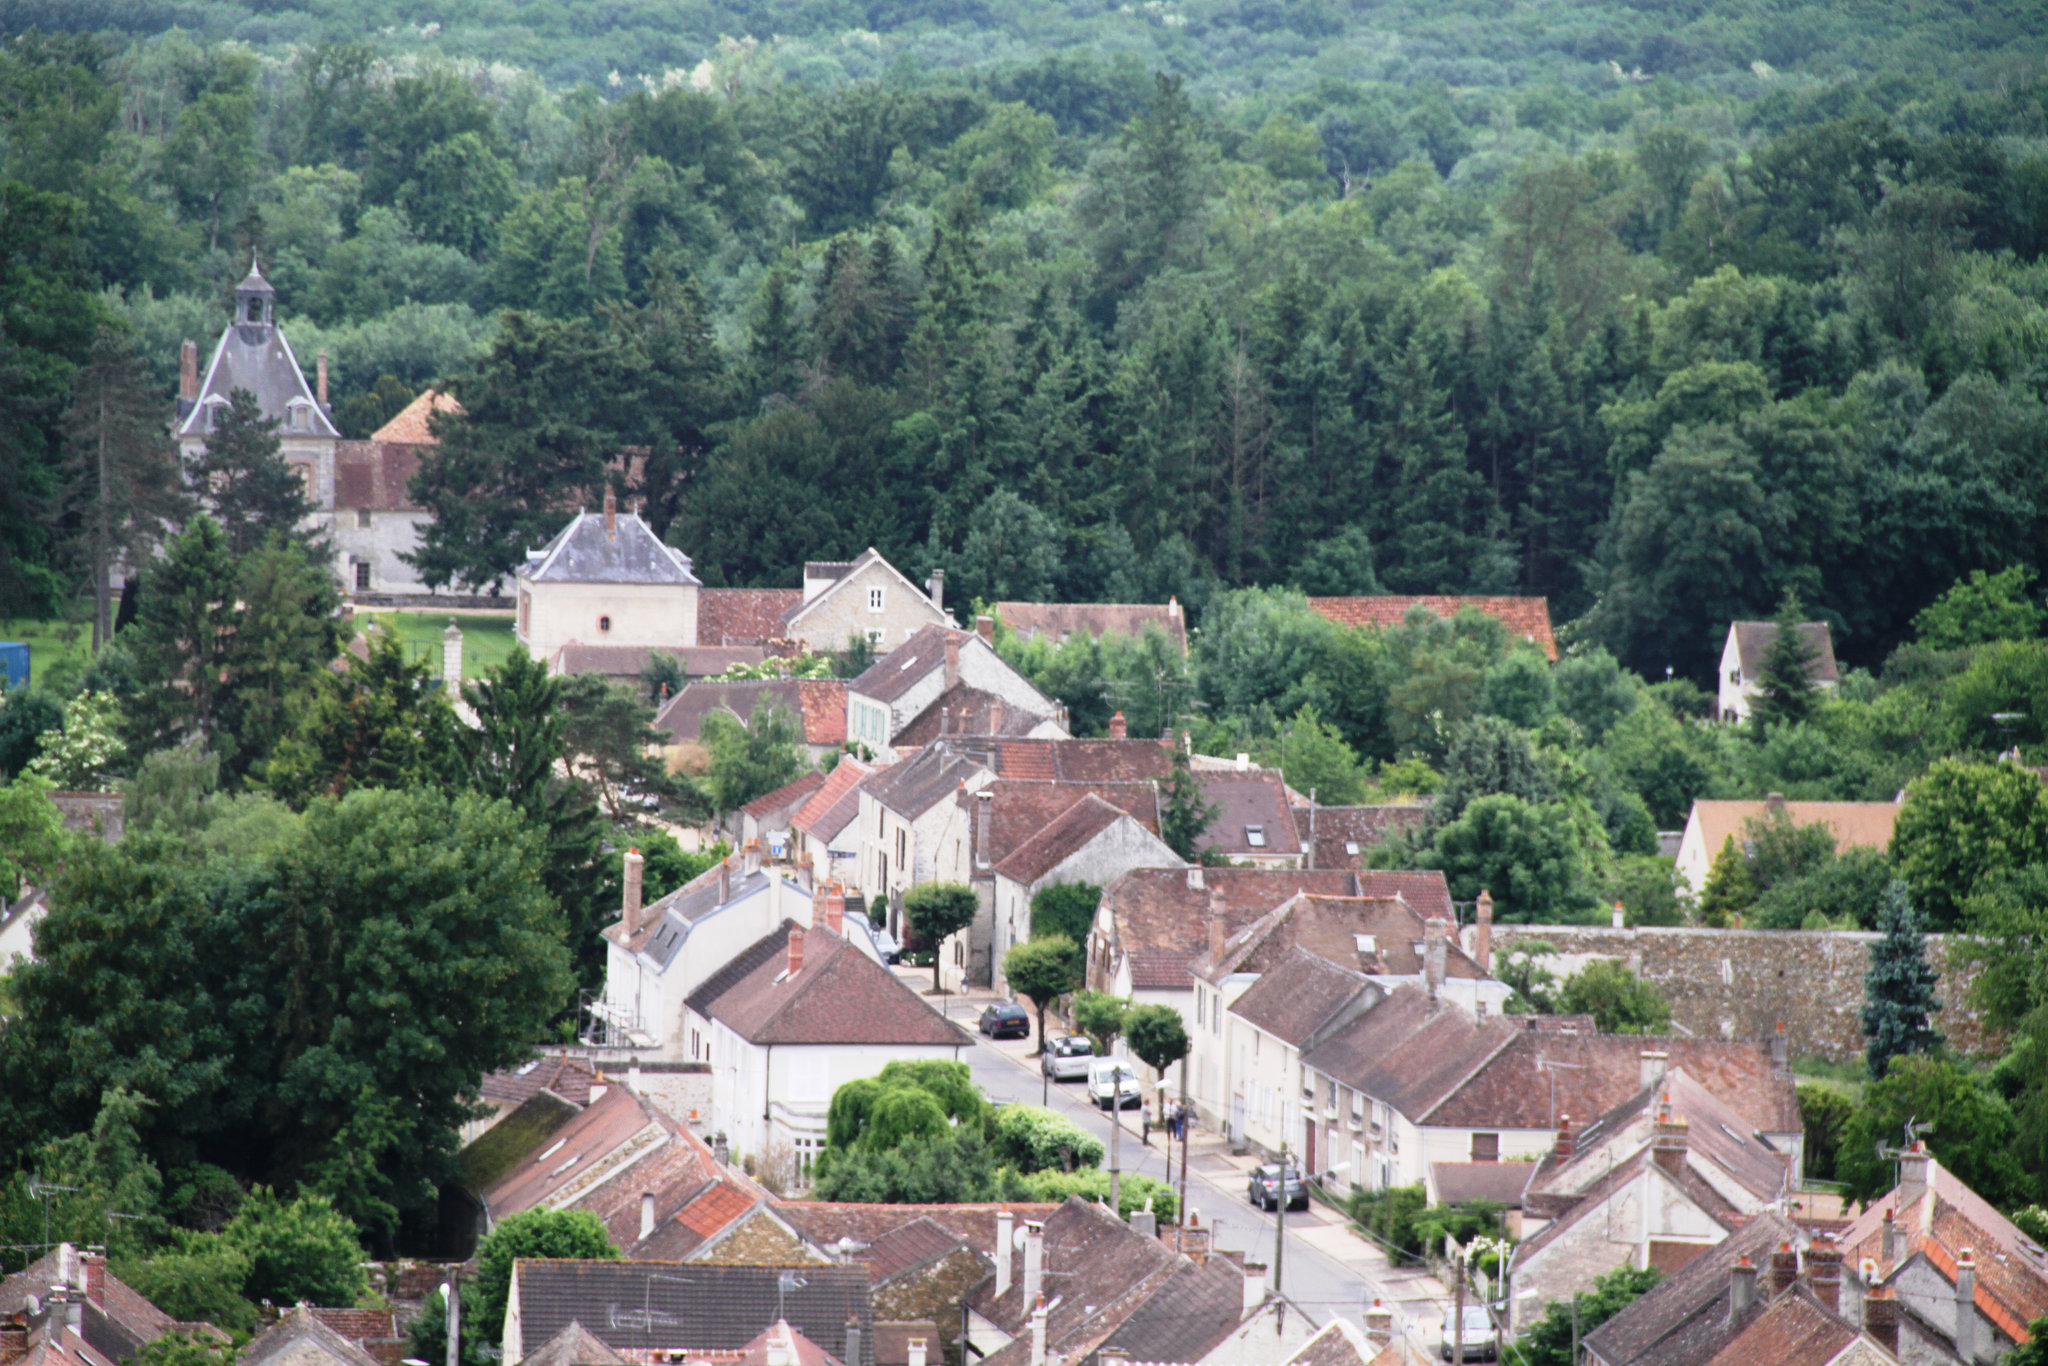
x: 553, y: 614
x: 841, y: 612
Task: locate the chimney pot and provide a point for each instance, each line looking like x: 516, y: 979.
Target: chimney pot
x: 796, y: 952
x: 917, y: 1345
x: 1038, y: 1333
x: 1006, y: 1232
x: 631, y: 878
x: 1741, y: 1289
x: 1482, y: 932
x: 1034, y: 1262
x: 646, y: 1214
x: 1784, y: 1269
x: 1195, y: 878
x: 1119, y: 729
x: 1435, y: 940
x: 1824, y: 1273
x: 952, y: 660
x: 985, y: 627
x: 1653, y: 1064
x: 1567, y: 1142
x: 984, y: 803
x: 1254, y: 1285
x: 1379, y: 1325
x: 936, y: 586
x: 1966, y: 1305
x: 1620, y: 917
x: 750, y: 857
x: 611, y: 511
x: 1668, y: 1148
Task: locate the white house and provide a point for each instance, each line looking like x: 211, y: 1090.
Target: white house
x: 815, y: 827
x: 1742, y: 663
x: 607, y: 580
x: 903, y: 810
x: 1093, y: 841
x: 864, y: 598
x: 1288, y: 1008
x: 791, y: 1020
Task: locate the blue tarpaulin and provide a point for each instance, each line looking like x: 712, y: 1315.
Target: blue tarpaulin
x: 13, y: 664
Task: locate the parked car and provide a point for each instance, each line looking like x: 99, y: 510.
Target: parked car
x: 1482, y: 1339
x: 1004, y: 1020
x: 886, y: 945
x: 1112, y: 1078
x: 1067, y: 1059
x: 1264, y: 1189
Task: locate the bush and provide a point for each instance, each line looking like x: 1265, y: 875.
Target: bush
x: 1034, y: 1140
x: 1132, y: 1192
x: 1389, y: 1215
x: 302, y: 1250
x: 535, y: 1233
x: 1618, y: 1000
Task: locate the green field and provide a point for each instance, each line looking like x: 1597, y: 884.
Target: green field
x: 58, y: 650
x: 486, y: 640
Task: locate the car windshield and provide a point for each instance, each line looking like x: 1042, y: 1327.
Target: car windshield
x: 1476, y: 1320
x: 1075, y: 1046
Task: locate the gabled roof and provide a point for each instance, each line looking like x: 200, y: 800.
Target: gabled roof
x: 1079, y: 761
x: 1337, y: 1343
x: 1378, y: 937
x: 1716, y: 1132
x: 1343, y: 835
x: 1063, y: 837
x: 744, y: 616
x: 1526, y: 618
x: 790, y: 795
x: 702, y: 1216
x: 614, y: 1127
x: 1020, y: 808
x: 1252, y: 816
x: 568, y: 1077
x: 1595, y: 1073
x: 695, y: 1306
x: 836, y: 802
x: 1294, y: 997
x: 666, y: 923
x: 575, y: 1345
x: 300, y: 1331
x: 1500, y: 1182
x: 1165, y: 910
x: 1683, y: 1320
x: 1855, y: 825
x: 964, y: 711
x: 1408, y: 1051
x: 1797, y: 1330
x: 256, y: 357
x: 1753, y: 641
x: 895, y: 673
x: 838, y: 996
x: 910, y: 1247
x: 781, y: 1345
x: 1591, y: 1207
x: 1060, y: 620
x: 117, y: 1320
x: 584, y: 552
x: 409, y: 425
x: 920, y: 782
x: 841, y: 571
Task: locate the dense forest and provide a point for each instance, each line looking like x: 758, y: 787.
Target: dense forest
x: 1655, y: 311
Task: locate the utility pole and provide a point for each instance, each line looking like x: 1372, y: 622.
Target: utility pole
x: 455, y: 1317
x: 1280, y: 1224
x: 1116, y: 1130
x: 1458, y: 1299
x: 1186, y: 1117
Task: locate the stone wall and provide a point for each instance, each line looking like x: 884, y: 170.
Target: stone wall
x: 1738, y: 984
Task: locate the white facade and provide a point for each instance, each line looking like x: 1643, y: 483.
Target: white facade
x: 1121, y: 846
x: 553, y: 614
x: 870, y: 600
x: 874, y: 721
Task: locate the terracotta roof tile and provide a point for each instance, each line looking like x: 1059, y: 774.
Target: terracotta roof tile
x: 838, y: 996
x: 790, y: 795
x: 1084, y: 761
x: 1060, y: 620
x: 1596, y: 1073
x: 570, y: 1078
x: 1021, y: 809
x: 836, y: 802
x: 1252, y: 815
x: 409, y: 426
x: 1297, y: 994
x: 1408, y: 1051
x: 358, y: 1324
x: 1066, y: 835
x: 712, y: 1308
x: 1683, y: 1321
x: 1856, y: 825
x: 964, y: 711
x: 1161, y: 971
x: 818, y: 703
x: 1165, y: 910
x: 1795, y: 1331
x: 744, y: 616
x: 1377, y: 936
x: 1344, y: 835
x: 826, y: 1223
x: 1526, y: 618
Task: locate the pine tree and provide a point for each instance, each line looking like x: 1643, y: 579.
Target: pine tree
x: 1785, y: 683
x: 122, y: 491
x: 1898, y: 991
x: 249, y: 489
x: 1184, y: 813
x: 1730, y: 889
x: 1436, y: 542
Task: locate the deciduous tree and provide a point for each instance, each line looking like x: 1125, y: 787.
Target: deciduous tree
x: 1041, y: 970
x: 937, y: 910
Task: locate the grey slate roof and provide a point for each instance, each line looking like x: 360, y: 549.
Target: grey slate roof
x: 889, y: 677
x: 921, y: 782
x: 256, y: 357
x: 583, y: 552
x: 574, y: 1346
x: 693, y: 1306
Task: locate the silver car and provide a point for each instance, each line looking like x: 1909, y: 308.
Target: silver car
x: 1066, y: 1059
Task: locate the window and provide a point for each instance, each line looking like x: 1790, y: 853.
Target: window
x: 1486, y: 1147
x: 362, y: 577
x: 604, y: 623
x: 874, y: 599
x: 875, y: 633
x: 1255, y: 836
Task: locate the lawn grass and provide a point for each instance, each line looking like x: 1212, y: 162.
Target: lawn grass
x: 487, y: 640
x: 58, y: 650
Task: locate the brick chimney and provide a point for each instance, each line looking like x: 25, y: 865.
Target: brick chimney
x: 1913, y: 1165
x: 1119, y: 729
x: 985, y: 627
x: 1881, y: 1318
x: 1784, y: 1270
x: 936, y: 587
x: 796, y: 952
x: 1774, y: 804
x: 1219, y: 923
x: 1436, y: 934
x: 1620, y: 917
x: 1566, y: 1142
x: 629, y: 909
x: 984, y: 803
x: 1482, y: 932
x: 611, y: 511
x: 1966, y: 1305
x: 1824, y: 1273
x: 188, y: 371
x: 832, y: 901
x: 1741, y: 1289
x: 320, y: 377
x: 952, y: 658
x: 1668, y: 1147
x: 1254, y: 1285
x: 1379, y: 1326
x: 1195, y: 1239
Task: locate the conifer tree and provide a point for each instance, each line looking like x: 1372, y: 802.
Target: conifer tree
x: 246, y: 484
x: 1184, y: 812
x: 1898, y: 991
x: 1730, y: 889
x: 1785, y: 682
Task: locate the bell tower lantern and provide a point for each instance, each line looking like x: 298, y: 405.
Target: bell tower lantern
x: 255, y: 300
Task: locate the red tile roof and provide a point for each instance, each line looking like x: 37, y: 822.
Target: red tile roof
x: 409, y: 425
x: 1247, y: 803
x: 1344, y: 835
x: 791, y: 794
x: 838, y: 996
x: 964, y: 711
x: 819, y: 703
x: 1020, y: 809
x: 1596, y: 1073
x: 372, y: 476
x: 1331, y: 927
x: 1088, y: 761
x: 744, y: 616
x: 836, y: 801
x: 570, y: 1078
x: 1795, y: 1331
x: 1526, y: 618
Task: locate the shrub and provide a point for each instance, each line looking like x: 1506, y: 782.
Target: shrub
x: 1093, y: 1185
x: 1035, y: 1140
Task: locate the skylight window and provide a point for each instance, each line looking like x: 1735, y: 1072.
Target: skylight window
x: 1255, y: 836
x: 1351, y: 848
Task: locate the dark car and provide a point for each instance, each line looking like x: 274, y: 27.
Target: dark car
x: 1264, y: 1190
x: 1005, y: 1021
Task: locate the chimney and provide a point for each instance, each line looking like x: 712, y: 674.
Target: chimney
x: 1824, y: 1273
x: 1668, y: 1147
x: 936, y: 587
x: 952, y: 659
x: 1966, y: 1306
x: 1254, y: 1285
x: 984, y: 803
x: 796, y: 952
x: 1741, y: 1289
x: 188, y: 371
x: 320, y: 377
x: 1144, y: 1221
x: 1913, y: 1165
x: 725, y: 879
x: 629, y: 911
x: 1436, y: 933
x: 1119, y: 729
x: 1195, y: 1240
x: 945, y: 720
x: 852, y: 1357
x: 1774, y: 804
x: 1195, y: 878
x: 451, y: 660
x: 916, y: 1344
x: 835, y: 908
x: 1567, y: 1143
x: 1482, y: 933
x: 1038, y: 1333
x: 1780, y: 1051
x: 611, y: 511
x: 1881, y: 1318
x: 985, y: 627
x: 1034, y: 1261
x: 1888, y: 1246
x: 1006, y: 1233
x: 1379, y: 1326
x: 1620, y: 917
x: 646, y: 1214
x: 1784, y: 1270
x: 750, y: 858
x: 1653, y: 1065
x: 1219, y: 922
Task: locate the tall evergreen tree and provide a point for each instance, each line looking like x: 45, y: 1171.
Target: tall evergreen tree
x: 245, y: 483
x: 1785, y: 683
x: 181, y: 636
x: 122, y: 488
x: 1184, y: 812
x: 1898, y: 991
x: 1436, y: 539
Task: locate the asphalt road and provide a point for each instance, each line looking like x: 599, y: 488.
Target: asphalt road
x: 1317, y: 1285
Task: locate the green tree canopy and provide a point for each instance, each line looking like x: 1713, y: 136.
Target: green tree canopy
x: 937, y: 910
x: 1966, y: 1125
x: 1041, y: 970
x: 1898, y: 991
x: 571, y: 1233
x: 1981, y: 609
x: 1619, y: 1001
x: 752, y: 759
x: 1961, y: 823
